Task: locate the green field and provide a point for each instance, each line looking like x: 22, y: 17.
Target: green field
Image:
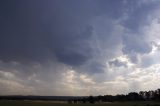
x: 50, y: 103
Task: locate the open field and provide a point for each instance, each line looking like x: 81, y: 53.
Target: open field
x: 50, y: 103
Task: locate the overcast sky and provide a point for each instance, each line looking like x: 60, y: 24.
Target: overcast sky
x: 79, y: 47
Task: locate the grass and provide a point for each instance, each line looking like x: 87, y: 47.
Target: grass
x: 50, y: 103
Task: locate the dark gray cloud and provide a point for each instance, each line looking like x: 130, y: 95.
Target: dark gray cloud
x: 32, y: 30
x: 135, y: 41
x: 47, y: 43
x: 74, y: 49
x: 56, y: 30
x: 117, y: 63
x: 137, y: 17
x: 135, y: 45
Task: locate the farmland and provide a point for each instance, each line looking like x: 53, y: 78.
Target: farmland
x: 52, y: 103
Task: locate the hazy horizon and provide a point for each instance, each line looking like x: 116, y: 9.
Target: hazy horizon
x: 79, y: 47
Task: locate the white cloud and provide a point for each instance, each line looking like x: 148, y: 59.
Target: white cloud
x: 9, y: 87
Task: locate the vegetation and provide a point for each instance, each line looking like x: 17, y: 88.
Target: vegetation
x: 143, y: 98
x: 50, y: 103
x: 132, y: 96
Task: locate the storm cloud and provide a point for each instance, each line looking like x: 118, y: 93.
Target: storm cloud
x: 86, y: 45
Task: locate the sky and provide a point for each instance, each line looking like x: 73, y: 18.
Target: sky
x: 79, y: 47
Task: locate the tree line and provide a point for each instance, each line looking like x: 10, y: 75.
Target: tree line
x: 152, y: 95
x: 132, y: 96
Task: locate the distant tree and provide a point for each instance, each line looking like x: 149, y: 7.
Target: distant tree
x: 133, y: 96
x: 120, y: 98
x: 158, y: 91
x: 75, y: 101
x: 147, y: 93
x: 99, y: 98
x: 156, y: 95
x: 91, y: 99
x: 69, y: 101
x: 152, y: 94
x: 142, y: 95
x: 83, y: 100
